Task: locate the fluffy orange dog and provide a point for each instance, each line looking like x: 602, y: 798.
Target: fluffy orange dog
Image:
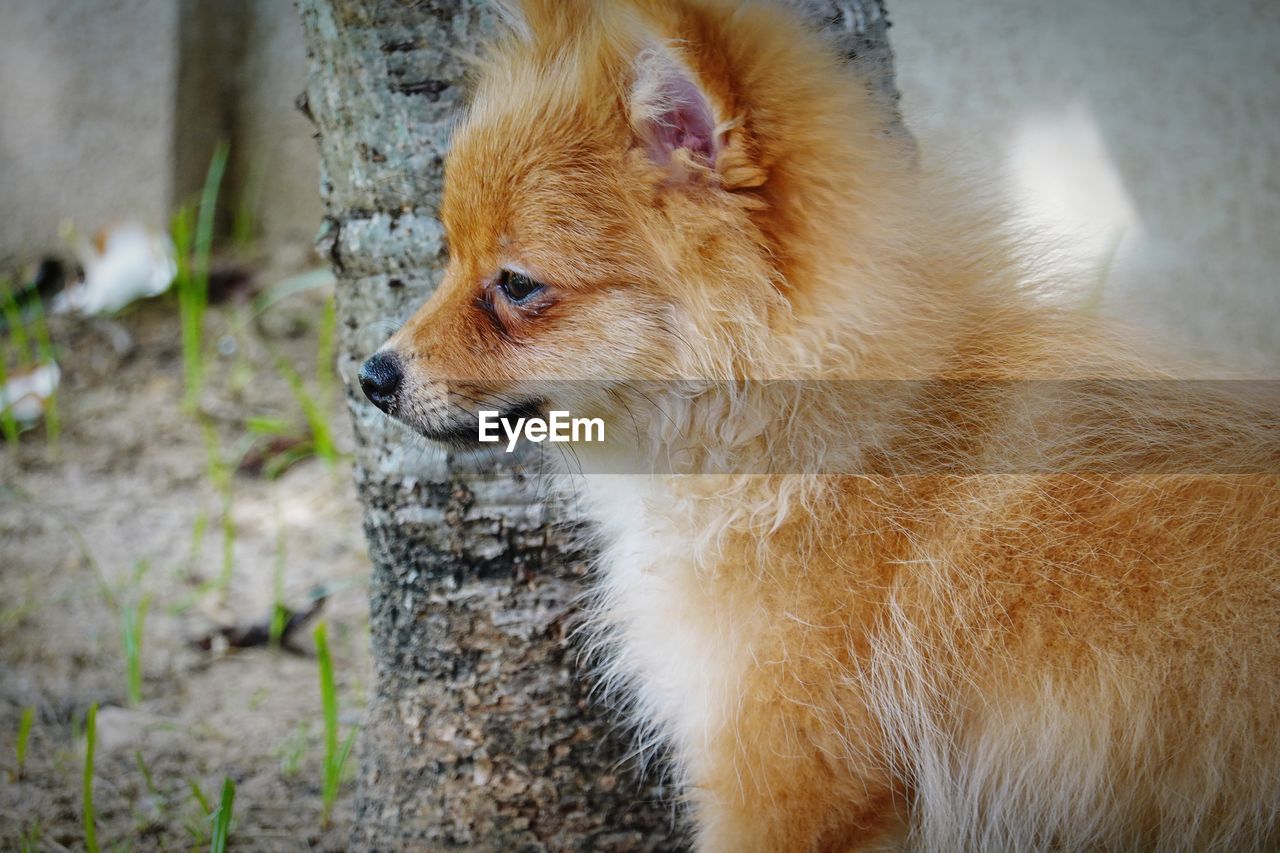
x: 1015, y: 615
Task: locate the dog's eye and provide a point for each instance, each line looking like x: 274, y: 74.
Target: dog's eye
x: 517, y: 287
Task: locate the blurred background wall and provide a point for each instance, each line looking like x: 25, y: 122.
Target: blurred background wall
x: 110, y: 110
x: 87, y: 111
x: 1143, y: 134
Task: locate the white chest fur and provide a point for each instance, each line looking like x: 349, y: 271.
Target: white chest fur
x: 676, y: 657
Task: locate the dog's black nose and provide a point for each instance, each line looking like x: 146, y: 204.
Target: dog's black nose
x: 380, y: 378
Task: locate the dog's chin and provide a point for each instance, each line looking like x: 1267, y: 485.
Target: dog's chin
x: 463, y: 432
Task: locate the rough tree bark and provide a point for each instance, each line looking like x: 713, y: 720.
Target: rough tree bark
x: 480, y: 732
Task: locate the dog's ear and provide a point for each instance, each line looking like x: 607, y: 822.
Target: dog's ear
x: 670, y: 110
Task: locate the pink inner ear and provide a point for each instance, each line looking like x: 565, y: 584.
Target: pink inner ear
x: 676, y: 115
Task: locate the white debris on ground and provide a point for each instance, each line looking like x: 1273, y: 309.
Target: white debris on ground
x: 26, y: 394
x: 123, y: 264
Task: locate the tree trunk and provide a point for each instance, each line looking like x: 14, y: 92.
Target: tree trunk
x: 480, y: 732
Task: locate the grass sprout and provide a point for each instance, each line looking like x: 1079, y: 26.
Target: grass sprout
x: 228, y: 545
x: 269, y: 426
x: 296, y: 445
x: 13, y: 319
x: 198, y: 829
x: 293, y: 749
x: 91, y: 739
x: 26, y: 346
x: 199, y: 797
x: 29, y: 842
x: 24, y: 736
x: 190, y: 308
x: 279, y: 613
x: 192, y: 232
x: 335, y: 756
x: 146, y: 773
x: 132, y: 619
x: 313, y: 411
x: 222, y: 817
x: 8, y: 423
x: 221, y: 473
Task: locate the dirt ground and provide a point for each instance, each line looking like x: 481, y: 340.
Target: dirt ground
x: 125, y: 488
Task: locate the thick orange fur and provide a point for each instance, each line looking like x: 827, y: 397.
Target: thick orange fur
x: 998, y: 661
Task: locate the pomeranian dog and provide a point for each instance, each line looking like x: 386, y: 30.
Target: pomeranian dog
x: 998, y: 583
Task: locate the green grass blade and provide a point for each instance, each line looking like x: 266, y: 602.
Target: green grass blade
x: 189, y: 315
x: 279, y: 613
x: 281, y: 462
x: 293, y: 749
x: 91, y: 739
x: 222, y: 817
x: 24, y: 734
x: 207, y: 217
x: 132, y: 619
x: 146, y: 773
x: 328, y: 691
x: 13, y: 318
x: 228, y: 545
x: 29, y: 841
x: 221, y: 473
x: 199, y: 796
x: 317, y: 422
x: 329, y: 705
x: 269, y: 426
x: 193, y: 294
x: 8, y: 423
x: 180, y: 228
x: 346, y: 751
